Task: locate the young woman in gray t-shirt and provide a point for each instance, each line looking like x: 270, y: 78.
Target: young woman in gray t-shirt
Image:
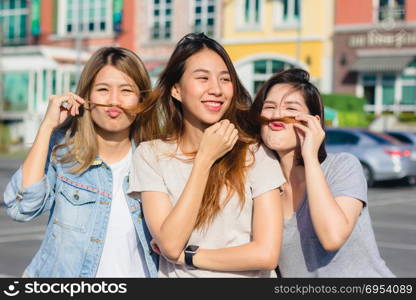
x: 327, y: 228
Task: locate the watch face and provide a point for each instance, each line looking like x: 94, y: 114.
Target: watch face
x: 191, y: 248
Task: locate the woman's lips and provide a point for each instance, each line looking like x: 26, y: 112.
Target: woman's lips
x: 213, y: 105
x: 277, y: 126
x: 114, y: 112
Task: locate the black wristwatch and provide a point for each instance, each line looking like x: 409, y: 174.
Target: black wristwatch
x: 189, y: 254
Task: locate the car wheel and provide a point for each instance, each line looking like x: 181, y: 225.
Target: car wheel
x: 411, y: 180
x: 368, y: 174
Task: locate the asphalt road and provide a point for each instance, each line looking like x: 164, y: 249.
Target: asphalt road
x: 392, y: 208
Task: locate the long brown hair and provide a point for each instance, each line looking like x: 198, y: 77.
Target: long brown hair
x: 163, y: 119
x: 81, y: 138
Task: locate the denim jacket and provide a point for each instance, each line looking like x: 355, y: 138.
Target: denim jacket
x: 79, y: 207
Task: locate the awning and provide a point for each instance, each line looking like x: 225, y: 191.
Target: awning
x: 382, y: 63
x: 27, y: 58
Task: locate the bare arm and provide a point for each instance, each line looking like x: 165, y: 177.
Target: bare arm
x: 172, y: 225
x: 333, y: 218
x: 34, y: 165
x: 262, y: 253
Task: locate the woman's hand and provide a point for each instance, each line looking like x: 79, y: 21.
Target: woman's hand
x: 217, y: 140
x: 311, y: 135
x: 60, y: 107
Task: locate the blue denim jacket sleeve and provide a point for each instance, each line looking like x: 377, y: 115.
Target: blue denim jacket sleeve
x: 24, y: 204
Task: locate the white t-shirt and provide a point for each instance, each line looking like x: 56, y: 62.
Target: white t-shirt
x: 160, y: 166
x: 121, y: 257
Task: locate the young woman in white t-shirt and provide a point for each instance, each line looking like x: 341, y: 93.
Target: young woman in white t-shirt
x: 210, y: 196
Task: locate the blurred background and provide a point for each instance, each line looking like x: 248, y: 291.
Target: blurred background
x: 361, y: 54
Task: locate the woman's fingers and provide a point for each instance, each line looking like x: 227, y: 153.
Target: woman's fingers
x: 71, y: 102
x: 229, y: 131
x: 309, y: 121
x: 223, y: 127
x: 213, y: 128
x: 234, y: 138
x: 77, y: 98
x: 304, y: 128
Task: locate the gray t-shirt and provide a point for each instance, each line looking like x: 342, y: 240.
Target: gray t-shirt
x: 302, y: 254
x: 155, y: 168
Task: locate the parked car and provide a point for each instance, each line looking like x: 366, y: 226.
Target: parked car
x: 408, y: 138
x: 404, y: 136
x: 382, y: 156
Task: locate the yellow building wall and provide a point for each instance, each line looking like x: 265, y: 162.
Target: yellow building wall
x: 313, y: 14
x: 311, y: 49
x: 315, y: 33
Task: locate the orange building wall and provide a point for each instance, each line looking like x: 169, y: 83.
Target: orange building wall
x: 46, y: 20
x: 410, y: 10
x: 354, y: 12
x: 129, y: 30
x: 125, y: 39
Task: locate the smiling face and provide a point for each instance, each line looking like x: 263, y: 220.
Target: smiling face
x: 282, y: 100
x: 205, y: 89
x: 113, y: 87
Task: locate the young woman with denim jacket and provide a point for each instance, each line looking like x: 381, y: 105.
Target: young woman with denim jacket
x: 77, y: 171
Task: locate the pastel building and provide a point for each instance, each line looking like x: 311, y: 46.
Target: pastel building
x: 43, y: 45
x: 162, y: 23
x: 266, y: 36
x: 375, y: 53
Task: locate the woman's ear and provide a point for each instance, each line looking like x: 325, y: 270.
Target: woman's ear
x: 318, y: 118
x: 175, y: 93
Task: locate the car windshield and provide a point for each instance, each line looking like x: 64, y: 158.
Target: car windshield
x: 382, y: 138
x: 401, y: 137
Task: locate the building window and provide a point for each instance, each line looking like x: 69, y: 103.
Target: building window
x: 391, y: 10
x: 15, y: 91
x: 204, y: 12
x: 93, y: 16
x: 409, y: 89
x: 263, y: 69
x: 162, y: 19
x: 369, y: 83
x: 287, y: 12
x: 13, y: 21
x: 409, y: 94
x: 388, y: 81
x: 249, y: 14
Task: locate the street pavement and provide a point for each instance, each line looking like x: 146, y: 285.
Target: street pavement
x: 392, y: 208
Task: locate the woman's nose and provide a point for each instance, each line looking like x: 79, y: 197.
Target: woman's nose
x: 114, y: 97
x: 277, y: 113
x: 215, y: 88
